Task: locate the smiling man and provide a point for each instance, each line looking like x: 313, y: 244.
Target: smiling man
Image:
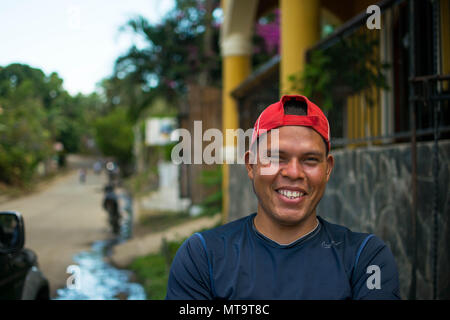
x: 284, y: 250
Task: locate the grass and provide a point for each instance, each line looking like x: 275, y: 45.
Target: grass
x: 152, y: 270
x: 155, y: 222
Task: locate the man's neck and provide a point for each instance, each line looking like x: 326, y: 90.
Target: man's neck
x: 284, y: 233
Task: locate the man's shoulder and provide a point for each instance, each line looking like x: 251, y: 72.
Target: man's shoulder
x: 342, y: 233
x: 229, y: 228
x: 226, y: 232
x: 358, y: 248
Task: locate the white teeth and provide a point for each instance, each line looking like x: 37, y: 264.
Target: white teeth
x: 290, y: 194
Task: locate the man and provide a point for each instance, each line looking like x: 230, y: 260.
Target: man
x: 111, y: 205
x: 285, y: 251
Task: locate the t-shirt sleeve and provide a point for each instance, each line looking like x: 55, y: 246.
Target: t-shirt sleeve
x: 375, y: 275
x: 189, y: 274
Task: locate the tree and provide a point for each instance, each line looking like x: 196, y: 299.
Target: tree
x: 183, y: 48
x: 114, y: 136
x: 36, y: 112
x: 24, y: 140
x: 266, y: 39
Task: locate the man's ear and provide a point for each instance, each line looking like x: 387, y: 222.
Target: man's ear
x: 248, y: 163
x: 330, y: 165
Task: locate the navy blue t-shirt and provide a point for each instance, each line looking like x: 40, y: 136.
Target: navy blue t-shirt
x: 235, y: 261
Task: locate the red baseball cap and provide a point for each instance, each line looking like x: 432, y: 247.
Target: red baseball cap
x: 273, y: 117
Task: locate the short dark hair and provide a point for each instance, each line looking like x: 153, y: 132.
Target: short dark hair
x: 299, y: 108
x: 295, y: 107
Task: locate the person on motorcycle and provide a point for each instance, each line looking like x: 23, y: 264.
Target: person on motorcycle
x: 82, y: 175
x: 111, y: 205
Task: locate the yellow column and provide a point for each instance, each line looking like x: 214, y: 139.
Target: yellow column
x: 234, y: 70
x: 299, y: 31
x: 236, y: 49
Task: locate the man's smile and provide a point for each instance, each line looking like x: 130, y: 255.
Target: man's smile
x: 288, y: 194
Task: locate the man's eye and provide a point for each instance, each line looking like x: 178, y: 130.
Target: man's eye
x: 312, y: 160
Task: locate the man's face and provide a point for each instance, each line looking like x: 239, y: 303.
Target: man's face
x: 289, y: 191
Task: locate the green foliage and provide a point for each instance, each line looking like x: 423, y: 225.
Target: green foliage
x: 153, y: 270
x: 142, y: 183
x: 350, y: 66
x: 266, y: 38
x: 167, y: 151
x: 114, y: 135
x: 24, y: 141
x: 169, y: 250
x: 36, y: 112
x: 213, y: 180
x: 160, y: 220
x: 182, y: 48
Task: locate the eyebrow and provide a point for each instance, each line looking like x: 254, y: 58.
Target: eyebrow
x: 314, y: 153
x: 309, y: 153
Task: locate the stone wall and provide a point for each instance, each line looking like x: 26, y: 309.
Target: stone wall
x: 370, y: 191
x: 242, y: 198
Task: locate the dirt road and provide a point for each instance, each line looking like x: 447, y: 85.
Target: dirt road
x: 62, y: 219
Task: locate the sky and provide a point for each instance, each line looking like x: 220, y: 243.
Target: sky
x: 78, y: 39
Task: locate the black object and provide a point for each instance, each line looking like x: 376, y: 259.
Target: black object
x: 111, y: 205
x: 20, y: 277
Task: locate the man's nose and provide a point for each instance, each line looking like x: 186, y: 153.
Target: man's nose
x: 293, y: 170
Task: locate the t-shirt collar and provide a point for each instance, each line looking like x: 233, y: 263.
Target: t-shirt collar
x: 302, y: 239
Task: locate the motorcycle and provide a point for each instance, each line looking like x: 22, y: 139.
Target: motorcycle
x: 111, y: 205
